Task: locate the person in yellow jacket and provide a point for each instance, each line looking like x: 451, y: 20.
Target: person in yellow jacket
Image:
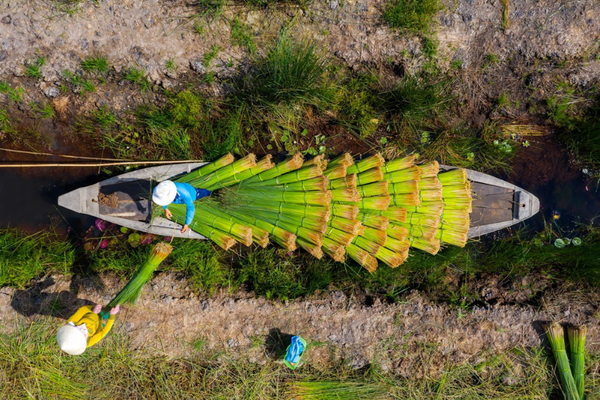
x: 84, y: 329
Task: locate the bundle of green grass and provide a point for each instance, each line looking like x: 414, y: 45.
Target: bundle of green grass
x: 571, y: 374
x: 368, y: 210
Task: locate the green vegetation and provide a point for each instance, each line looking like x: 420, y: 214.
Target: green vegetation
x: 413, y: 16
x: 241, y: 35
x: 137, y: 77
x: 25, y: 257
x: 211, y: 54
x: 170, y: 65
x: 14, y: 94
x: 32, y: 367
x: 277, y: 274
x: 33, y: 69
x: 97, y: 64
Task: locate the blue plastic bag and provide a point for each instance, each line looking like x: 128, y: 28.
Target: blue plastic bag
x: 294, y: 352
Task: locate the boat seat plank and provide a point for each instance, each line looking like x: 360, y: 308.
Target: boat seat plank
x: 483, y: 189
x: 483, y: 216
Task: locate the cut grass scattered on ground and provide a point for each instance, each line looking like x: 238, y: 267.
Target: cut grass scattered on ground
x: 32, y: 367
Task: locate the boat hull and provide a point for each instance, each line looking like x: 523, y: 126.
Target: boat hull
x: 496, y: 204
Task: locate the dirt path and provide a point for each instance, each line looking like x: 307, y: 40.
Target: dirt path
x: 412, y: 338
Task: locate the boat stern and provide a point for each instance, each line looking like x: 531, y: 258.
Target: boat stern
x: 80, y: 200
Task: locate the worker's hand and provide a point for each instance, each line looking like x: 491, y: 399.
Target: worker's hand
x: 185, y: 228
x: 115, y: 311
x: 168, y: 213
x: 97, y: 308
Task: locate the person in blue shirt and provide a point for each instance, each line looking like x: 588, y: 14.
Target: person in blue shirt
x: 168, y: 192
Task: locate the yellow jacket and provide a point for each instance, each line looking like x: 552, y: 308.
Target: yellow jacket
x: 93, y: 323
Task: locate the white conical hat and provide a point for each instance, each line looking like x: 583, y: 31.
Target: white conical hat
x: 71, y: 340
x: 164, y: 193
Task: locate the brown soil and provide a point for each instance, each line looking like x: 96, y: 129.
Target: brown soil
x: 170, y: 317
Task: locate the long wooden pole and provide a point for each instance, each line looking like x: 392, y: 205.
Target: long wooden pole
x: 95, y: 165
x: 39, y: 153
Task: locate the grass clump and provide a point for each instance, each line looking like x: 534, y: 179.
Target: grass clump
x: 138, y: 78
x: 241, y: 35
x: 412, y: 16
x: 291, y: 72
x: 201, y: 264
x: 33, y: 70
x: 97, y: 64
x: 415, y: 102
x: 25, y: 257
x: 274, y: 276
x: 14, y: 94
x: 359, y: 110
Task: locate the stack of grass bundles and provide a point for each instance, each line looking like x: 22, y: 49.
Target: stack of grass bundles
x: 556, y: 337
x: 225, y: 172
x: 131, y: 291
x: 208, y: 168
x: 367, y: 210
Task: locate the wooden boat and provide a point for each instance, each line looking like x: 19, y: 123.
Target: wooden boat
x: 496, y: 204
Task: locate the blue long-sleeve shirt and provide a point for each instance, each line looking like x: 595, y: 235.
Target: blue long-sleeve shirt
x: 186, y: 194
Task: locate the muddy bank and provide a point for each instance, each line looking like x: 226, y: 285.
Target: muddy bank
x: 412, y: 338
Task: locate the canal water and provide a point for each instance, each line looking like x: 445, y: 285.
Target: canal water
x: 28, y: 196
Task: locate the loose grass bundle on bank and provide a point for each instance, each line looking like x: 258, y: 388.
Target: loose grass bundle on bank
x: 131, y: 291
x: 556, y: 337
x: 336, y: 390
x: 576, y: 336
